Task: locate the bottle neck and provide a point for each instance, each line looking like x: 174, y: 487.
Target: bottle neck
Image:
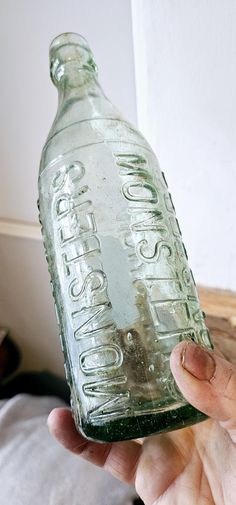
x: 80, y: 98
x: 78, y: 85
x: 74, y: 72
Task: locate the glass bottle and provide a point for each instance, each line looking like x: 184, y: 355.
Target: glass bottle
x: 123, y: 290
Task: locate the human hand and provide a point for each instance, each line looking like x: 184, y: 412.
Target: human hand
x: 190, y: 466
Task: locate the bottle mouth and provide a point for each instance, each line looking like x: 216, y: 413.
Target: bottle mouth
x: 68, y: 38
x: 69, y: 48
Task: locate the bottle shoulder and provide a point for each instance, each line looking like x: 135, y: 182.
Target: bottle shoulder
x: 88, y: 132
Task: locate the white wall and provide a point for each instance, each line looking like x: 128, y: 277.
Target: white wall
x: 185, y: 64
x: 28, y: 99
x: 28, y: 102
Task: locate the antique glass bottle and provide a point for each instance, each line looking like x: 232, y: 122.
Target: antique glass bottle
x: 123, y: 291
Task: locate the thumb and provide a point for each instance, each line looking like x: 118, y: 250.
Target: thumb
x: 207, y: 381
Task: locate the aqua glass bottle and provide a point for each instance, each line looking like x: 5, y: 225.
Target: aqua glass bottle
x: 123, y: 290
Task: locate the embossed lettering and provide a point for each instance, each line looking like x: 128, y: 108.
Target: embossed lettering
x: 115, y: 397
x: 144, y: 253
x: 169, y: 315
x: 180, y: 248
x: 101, y: 358
x: 95, y: 281
x: 92, y: 319
x: 149, y: 221
x: 175, y: 226
x: 169, y: 203
x: 160, y: 289
x: 83, y: 249
x: 131, y: 163
x: 140, y: 192
x: 73, y: 172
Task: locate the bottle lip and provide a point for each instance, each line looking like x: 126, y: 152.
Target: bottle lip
x: 68, y: 38
x: 69, y: 49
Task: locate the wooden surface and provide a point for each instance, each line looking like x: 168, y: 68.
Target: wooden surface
x: 220, y: 309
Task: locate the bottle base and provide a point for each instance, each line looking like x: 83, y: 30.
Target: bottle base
x: 140, y: 426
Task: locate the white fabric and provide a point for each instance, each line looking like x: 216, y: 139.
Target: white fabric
x: 36, y: 470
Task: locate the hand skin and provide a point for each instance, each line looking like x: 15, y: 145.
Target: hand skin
x: 190, y: 466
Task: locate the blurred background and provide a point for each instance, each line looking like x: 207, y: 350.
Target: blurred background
x: 169, y: 66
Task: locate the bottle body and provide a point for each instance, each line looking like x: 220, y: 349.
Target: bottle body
x: 124, y: 293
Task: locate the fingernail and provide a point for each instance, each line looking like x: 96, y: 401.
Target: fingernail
x: 198, y: 361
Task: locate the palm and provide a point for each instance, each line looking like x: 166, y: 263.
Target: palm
x: 195, y: 465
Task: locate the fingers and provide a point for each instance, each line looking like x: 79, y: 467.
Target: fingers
x: 120, y: 458
x: 207, y: 381
x: 62, y: 427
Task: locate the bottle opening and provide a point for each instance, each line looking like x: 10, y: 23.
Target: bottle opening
x: 69, y: 38
x: 69, y: 49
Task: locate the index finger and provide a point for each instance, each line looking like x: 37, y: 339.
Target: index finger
x: 119, y: 458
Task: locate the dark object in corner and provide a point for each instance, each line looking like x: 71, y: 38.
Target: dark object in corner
x: 36, y: 383
x: 10, y: 355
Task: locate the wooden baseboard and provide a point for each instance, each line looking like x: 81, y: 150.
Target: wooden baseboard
x: 20, y: 229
